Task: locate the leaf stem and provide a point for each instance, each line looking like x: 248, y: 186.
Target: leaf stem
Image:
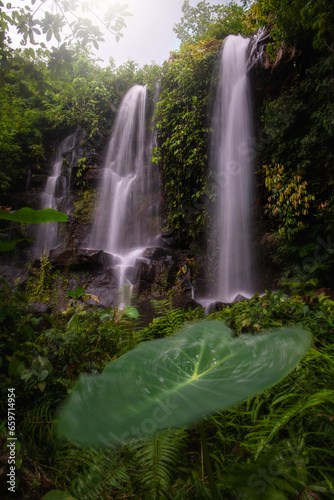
x: 207, y: 462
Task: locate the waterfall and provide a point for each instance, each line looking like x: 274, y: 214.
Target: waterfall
x: 231, y: 154
x: 123, y: 224
x: 55, y: 192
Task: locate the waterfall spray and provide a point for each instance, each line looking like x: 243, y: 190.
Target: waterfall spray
x: 232, y: 160
x: 123, y: 224
x: 55, y: 191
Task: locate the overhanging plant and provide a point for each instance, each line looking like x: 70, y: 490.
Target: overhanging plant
x: 177, y: 381
x: 27, y: 215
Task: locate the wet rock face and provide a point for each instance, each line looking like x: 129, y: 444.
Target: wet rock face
x: 82, y: 257
x: 268, y: 76
x: 154, y: 252
x: 93, y: 176
x: 104, y: 285
x: 156, y: 273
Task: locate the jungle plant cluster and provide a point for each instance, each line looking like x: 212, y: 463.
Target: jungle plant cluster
x: 278, y: 444
x: 289, y: 198
x: 183, y: 132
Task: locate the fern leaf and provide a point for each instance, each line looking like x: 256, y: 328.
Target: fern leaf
x: 157, y: 458
x: 299, y: 407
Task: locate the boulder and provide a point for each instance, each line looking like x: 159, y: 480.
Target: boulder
x: 60, y: 257
x: 183, y: 301
x: 155, y: 253
x: 145, y: 277
x: 37, y: 308
x: 104, y: 285
x: 215, y: 307
x: 165, y: 272
x: 239, y: 298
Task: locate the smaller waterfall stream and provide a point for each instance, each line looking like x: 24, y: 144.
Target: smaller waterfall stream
x: 123, y: 223
x: 55, y: 190
x: 232, y: 158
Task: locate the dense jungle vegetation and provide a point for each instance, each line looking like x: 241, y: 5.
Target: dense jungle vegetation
x: 278, y: 444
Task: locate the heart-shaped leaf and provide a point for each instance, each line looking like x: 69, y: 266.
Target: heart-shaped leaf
x: 178, y: 380
x: 29, y: 216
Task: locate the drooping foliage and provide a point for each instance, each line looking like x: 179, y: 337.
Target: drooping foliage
x: 183, y: 116
x: 183, y: 132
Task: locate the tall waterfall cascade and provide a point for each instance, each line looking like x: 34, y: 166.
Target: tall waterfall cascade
x: 231, y: 153
x: 126, y: 208
x: 55, y: 192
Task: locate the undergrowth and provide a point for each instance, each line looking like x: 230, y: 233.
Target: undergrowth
x: 276, y: 445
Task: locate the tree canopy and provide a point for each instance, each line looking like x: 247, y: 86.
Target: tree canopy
x: 197, y: 20
x: 62, y: 20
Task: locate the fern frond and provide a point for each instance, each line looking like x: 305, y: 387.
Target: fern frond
x: 104, y: 476
x: 157, y: 457
x: 162, y: 306
x: 39, y: 423
x: 287, y: 414
x: 169, y: 321
x: 90, y: 473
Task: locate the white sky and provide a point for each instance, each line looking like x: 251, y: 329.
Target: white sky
x: 149, y: 34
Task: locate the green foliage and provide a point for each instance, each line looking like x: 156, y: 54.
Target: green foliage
x: 96, y: 472
x: 157, y: 457
x: 174, y: 382
x: 183, y: 114
x: 208, y: 20
x: 21, y: 139
x: 57, y: 89
x: 27, y: 215
x: 280, y: 440
x: 183, y: 134
x: 29, y: 23
x: 298, y: 21
x: 84, y: 206
x: 288, y: 200
x: 84, y: 100
x: 39, y: 285
x: 169, y: 319
x: 295, y: 131
x: 276, y: 310
x: 58, y: 495
x: 232, y: 21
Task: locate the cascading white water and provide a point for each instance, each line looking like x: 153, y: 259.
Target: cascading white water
x: 232, y: 158
x: 56, y: 189
x: 123, y: 223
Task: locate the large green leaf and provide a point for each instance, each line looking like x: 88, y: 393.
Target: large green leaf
x: 178, y: 380
x: 6, y: 245
x: 29, y: 216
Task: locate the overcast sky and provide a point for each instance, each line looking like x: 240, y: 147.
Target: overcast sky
x: 149, y: 34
